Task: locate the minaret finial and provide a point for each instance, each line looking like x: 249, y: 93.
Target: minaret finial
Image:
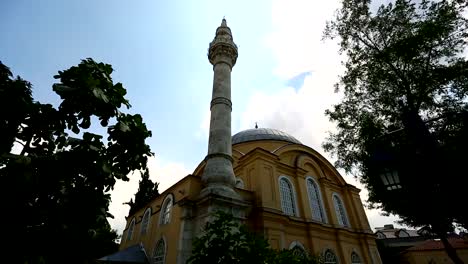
x: 223, y: 48
x: 256, y: 126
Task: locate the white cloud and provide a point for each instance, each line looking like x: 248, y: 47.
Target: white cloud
x: 299, y: 113
x: 166, y: 173
x: 297, y: 47
x: 297, y: 32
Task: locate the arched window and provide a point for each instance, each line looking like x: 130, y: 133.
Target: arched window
x: 159, y: 255
x: 340, y: 211
x: 315, y: 200
x: 165, y: 215
x: 145, y: 221
x: 288, y: 203
x: 329, y: 257
x: 130, y: 229
x: 355, y: 259
x: 298, y: 249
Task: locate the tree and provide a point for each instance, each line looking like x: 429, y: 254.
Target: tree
x: 405, y: 107
x: 225, y: 240
x: 56, y: 187
x: 147, y: 191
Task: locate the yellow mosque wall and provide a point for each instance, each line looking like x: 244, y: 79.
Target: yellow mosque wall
x: 260, y: 164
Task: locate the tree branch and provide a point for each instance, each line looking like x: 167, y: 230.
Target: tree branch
x: 405, y: 85
x: 21, y: 143
x: 26, y: 146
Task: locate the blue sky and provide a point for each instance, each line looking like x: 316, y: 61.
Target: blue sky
x: 283, y: 78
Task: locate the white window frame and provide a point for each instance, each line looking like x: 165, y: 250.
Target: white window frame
x: 338, y: 212
x: 162, y: 213
x: 131, y: 229
x: 153, y: 260
x: 320, y: 197
x: 144, y: 227
x: 294, y: 196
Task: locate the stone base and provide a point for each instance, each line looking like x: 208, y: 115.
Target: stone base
x: 222, y: 191
x: 219, y: 198
x: 198, y: 212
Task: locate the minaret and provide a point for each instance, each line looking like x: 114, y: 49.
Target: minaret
x: 218, y: 174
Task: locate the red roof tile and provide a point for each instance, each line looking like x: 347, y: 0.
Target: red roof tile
x: 456, y: 243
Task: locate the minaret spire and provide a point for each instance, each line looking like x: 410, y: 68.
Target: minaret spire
x: 218, y: 175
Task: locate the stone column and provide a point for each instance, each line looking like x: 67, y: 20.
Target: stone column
x: 218, y: 174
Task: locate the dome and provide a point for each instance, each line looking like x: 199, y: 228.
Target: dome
x: 263, y: 134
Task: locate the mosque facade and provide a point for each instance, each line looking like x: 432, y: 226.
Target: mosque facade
x: 279, y: 187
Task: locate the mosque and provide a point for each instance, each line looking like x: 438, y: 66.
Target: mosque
x: 278, y: 186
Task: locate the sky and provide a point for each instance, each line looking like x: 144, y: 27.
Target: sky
x: 283, y: 77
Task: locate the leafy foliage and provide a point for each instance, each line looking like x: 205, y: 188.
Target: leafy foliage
x: 405, y: 106
x: 147, y: 191
x: 227, y: 241
x: 14, y: 92
x: 58, y: 184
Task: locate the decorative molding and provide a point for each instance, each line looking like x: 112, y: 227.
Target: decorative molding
x: 221, y: 51
x: 221, y: 100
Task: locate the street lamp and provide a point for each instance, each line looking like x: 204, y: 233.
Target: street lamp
x: 395, y: 148
x: 386, y: 162
x: 419, y: 143
x: 390, y: 179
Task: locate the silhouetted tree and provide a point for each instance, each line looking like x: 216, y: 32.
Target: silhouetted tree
x: 147, y: 191
x: 55, y: 187
x: 405, y: 107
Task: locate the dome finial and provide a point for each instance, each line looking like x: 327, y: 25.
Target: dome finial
x: 223, y: 22
x: 256, y: 126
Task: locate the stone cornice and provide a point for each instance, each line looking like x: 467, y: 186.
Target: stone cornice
x: 222, y: 51
x: 257, y: 153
